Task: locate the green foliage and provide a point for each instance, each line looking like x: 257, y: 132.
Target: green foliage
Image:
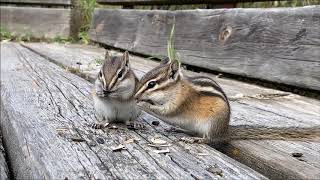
x: 5, y: 34
x: 172, y: 54
x: 83, y: 37
x: 24, y: 38
x: 59, y: 39
x: 28, y: 37
x: 8, y: 36
x: 87, y: 7
x: 99, y: 61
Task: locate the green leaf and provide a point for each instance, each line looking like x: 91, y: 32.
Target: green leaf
x: 172, y: 54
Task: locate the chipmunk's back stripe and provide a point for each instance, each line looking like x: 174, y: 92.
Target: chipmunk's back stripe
x: 208, y: 84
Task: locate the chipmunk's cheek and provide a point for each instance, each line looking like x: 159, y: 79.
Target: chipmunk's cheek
x: 143, y: 105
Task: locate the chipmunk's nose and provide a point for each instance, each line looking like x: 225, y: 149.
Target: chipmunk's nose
x: 106, y: 91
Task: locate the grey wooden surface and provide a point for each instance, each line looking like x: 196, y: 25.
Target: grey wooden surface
x: 46, y: 109
x: 275, y: 44
x: 165, y: 2
x: 36, y: 22
x: 4, y: 171
x: 250, y: 104
x: 52, y: 2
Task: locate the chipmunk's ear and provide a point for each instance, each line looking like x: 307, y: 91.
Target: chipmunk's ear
x: 126, y: 57
x: 174, y: 69
x: 107, y: 56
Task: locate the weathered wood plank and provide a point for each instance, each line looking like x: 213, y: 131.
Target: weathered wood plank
x: 278, y: 44
x: 4, y: 171
x: 167, y: 2
x: 272, y: 158
x: 36, y: 22
x: 45, y: 2
x: 49, y: 98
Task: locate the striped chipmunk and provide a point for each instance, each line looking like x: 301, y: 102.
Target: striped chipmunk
x: 200, y: 106
x: 114, y: 90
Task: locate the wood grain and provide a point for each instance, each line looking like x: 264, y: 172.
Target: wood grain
x: 4, y: 171
x: 51, y: 2
x: 277, y: 44
x: 45, y: 107
x: 278, y: 109
x: 36, y: 22
x: 167, y: 2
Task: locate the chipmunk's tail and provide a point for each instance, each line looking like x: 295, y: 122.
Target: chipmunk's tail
x: 245, y: 132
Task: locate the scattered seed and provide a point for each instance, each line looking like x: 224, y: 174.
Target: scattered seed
x: 155, y: 123
x: 92, y: 143
x: 129, y: 141
x: 297, y: 154
x: 158, y: 141
x: 61, y: 129
x: 239, y: 95
x: 136, y: 126
x: 113, y: 127
x: 131, y: 127
x: 162, y: 151
x: 215, y: 170
x: 106, y: 124
x: 118, y: 148
x: 77, y: 139
x: 100, y: 140
x: 219, y: 75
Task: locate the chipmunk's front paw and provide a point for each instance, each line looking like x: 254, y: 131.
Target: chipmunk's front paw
x: 99, y: 125
x: 197, y: 140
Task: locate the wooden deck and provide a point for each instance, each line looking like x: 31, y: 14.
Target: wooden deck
x: 4, y: 171
x: 46, y: 109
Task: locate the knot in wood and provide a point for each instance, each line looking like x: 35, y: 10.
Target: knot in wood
x: 225, y: 33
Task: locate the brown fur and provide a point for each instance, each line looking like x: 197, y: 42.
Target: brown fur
x: 199, y: 102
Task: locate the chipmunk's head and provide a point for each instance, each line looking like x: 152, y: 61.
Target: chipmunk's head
x: 158, y: 89
x: 115, y: 78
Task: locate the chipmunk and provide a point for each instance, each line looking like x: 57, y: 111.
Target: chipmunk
x: 199, y: 105
x: 114, y: 90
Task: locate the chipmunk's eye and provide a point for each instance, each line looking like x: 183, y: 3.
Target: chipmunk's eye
x: 120, y: 74
x: 151, y: 84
